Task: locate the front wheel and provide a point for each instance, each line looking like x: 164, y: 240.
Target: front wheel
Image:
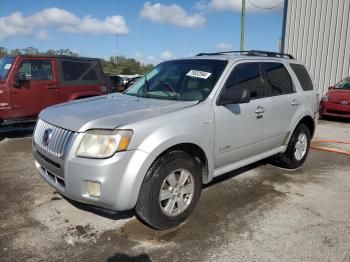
x: 170, y: 191
x: 297, y: 150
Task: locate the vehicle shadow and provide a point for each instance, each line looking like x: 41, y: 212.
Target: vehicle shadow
x: 16, y: 132
x: 334, y: 119
x: 106, y: 213
x: 237, y: 172
x: 125, y: 258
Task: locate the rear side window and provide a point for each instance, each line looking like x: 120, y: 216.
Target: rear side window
x: 73, y: 71
x: 303, y: 76
x: 278, y: 79
x: 247, y: 76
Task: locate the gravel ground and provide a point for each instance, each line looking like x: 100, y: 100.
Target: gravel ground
x: 259, y: 213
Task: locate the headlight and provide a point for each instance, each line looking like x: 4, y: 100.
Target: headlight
x: 324, y: 98
x: 100, y: 143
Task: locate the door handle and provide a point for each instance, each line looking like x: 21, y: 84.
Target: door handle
x: 259, y: 110
x: 294, y: 103
x: 52, y: 86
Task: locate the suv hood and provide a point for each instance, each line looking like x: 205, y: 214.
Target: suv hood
x: 108, y: 112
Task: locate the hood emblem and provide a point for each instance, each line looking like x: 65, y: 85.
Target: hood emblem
x: 47, y: 137
x: 344, y: 102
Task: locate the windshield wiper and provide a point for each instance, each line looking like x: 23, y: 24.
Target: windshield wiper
x: 170, y: 88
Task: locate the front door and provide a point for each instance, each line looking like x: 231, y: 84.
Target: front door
x: 241, y: 129
x: 38, y: 88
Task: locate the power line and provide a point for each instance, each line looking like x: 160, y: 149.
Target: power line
x: 265, y: 7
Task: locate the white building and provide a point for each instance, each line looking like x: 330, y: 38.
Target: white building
x: 317, y: 32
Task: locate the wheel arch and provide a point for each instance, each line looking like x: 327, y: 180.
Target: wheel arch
x: 308, y: 121
x: 196, y: 152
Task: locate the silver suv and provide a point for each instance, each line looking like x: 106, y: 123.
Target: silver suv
x: 181, y: 125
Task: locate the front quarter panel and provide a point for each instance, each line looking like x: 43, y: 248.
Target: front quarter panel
x: 194, y: 124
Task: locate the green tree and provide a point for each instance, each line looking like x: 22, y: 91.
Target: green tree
x: 3, y: 51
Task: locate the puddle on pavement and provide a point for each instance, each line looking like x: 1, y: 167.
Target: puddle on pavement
x: 134, y: 230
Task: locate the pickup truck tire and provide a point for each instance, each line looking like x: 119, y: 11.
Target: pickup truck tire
x: 170, y: 190
x: 297, y: 149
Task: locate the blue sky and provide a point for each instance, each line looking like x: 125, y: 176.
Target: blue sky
x: 150, y: 31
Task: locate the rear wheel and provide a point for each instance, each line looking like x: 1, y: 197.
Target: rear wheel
x: 297, y: 150
x: 170, y: 191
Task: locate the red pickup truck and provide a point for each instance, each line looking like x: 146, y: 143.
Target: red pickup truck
x: 28, y: 84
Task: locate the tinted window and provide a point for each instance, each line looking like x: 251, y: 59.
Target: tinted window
x: 303, y: 76
x: 247, y: 76
x: 76, y: 70
x: 36, y: 69
x: 278, y: 79
x: 91, y: 75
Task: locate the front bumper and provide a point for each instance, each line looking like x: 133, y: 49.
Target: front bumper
x: 334, y: 109
x: 120, y: 177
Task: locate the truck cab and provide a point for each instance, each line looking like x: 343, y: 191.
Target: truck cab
x: 29, y: 84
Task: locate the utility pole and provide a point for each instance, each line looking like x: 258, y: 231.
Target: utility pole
x: 243, y: 24
x: 117, y: 52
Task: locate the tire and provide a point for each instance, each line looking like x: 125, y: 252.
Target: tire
x: 158, y: 214
x: 290, y: 159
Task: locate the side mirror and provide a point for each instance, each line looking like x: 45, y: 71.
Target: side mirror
x: 234, y: 96
x: 331, y: 87
x: 21, y: 80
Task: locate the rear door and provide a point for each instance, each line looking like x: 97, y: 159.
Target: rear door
x: 284, y: 101
x: 39, y: 91
x: 242, y: 129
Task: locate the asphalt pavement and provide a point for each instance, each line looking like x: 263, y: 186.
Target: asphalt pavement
x: 258, y: 213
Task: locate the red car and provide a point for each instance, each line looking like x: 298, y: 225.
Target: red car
x: 29, y: 84
x: 336, y: 102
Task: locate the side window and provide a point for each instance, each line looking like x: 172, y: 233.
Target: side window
x: 278, y: 79
x: 303, y: 76
x: 36, y: 69
x: 75, y: 70
x: 247, y: 75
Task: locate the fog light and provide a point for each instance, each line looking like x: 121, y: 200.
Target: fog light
x: 93, y: 188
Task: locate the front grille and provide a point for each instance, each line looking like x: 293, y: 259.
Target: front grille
x: 59, y: 138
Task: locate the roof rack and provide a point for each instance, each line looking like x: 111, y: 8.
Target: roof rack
x: 251, y: 53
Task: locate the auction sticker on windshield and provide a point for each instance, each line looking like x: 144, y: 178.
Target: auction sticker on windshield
x: 200, y: 74
x: 7, y: 66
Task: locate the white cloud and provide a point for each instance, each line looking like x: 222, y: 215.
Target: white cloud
x: 224, y: 47
x: 166, y: 55
x: 253, y: 5
x: 42, y: 35
x: 13, y: 25
x: 201, y: 5
x: 171, y: 14
x: 16, y: 24
x: 151, y: 59
x: 54, y: 16
x: 90, y: 25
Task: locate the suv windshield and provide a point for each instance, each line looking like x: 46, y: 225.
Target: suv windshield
x: 344, y: 84
x: 5, y: 65
x: 185, y: 80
